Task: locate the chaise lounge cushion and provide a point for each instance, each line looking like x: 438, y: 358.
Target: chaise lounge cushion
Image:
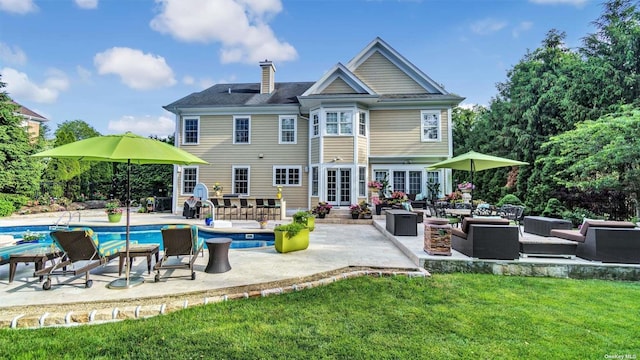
x: 580, y: 235
x: 468, y: 221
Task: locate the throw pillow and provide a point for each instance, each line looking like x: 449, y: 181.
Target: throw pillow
x: 419, y: 197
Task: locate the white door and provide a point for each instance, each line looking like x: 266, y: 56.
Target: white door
x: 339, y: 186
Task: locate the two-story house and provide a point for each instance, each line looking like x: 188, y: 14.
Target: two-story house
x: 31, y: 120
x: 377, y: 116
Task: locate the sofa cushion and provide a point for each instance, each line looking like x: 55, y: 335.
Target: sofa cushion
x: 604, y: 223
x: 467, y: 221
x: 573, y: 235
x: 437, y: 221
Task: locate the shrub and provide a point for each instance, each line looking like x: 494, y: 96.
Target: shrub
x: 18, y: 201
x: 6, y: 207
x: 578, y: 214
x: 554, y: 209
x: 292, y: 229
x: 302, y: 216
x: 509, y: 199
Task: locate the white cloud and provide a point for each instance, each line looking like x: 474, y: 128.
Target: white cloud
x: 577, y: 3
x: 87, y: 4
x: 19, y: 86
x: 522, y: 27
x: 188, y: 80
x: 136, y: 69
x: 487, y: 26
x: 239, y: 25
x: 161, y: 126
x: 18, y: 6
x: 12, y: 55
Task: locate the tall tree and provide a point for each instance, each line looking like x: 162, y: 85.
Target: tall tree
x: 18, y: 169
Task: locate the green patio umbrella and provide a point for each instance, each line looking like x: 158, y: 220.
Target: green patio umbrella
x: 129, y: 148
x: 474, y: 161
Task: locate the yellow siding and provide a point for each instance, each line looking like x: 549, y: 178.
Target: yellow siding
x: 397, y: 132
x: 338, y: 86
x: 216, y: 146
x: 315, y: 150
x: 338, y: 146
x: 384, y: 77
x: 362, y: 150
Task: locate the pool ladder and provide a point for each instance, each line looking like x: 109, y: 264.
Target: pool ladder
x: 60, y: 225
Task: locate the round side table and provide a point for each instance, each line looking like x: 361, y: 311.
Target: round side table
x: 218, y: 255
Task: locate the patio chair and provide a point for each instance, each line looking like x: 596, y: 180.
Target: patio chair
x: 260, y: 205
x: 227, y: 205
x: 82, y: 252
x: 179, y: 240
x: 271, y: 204
x: 244, y: 204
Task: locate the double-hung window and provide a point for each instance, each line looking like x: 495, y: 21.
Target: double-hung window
x: 315, y: 124
x: 314, y: 181
x: 241, y: 180
x: 339, y: 123
x: 430, y: 125
x: 288, y: 130
x: 362, y: 123
x: 189, y: 179
x: 241, y: 129
x: 287, y: 175
x: 362, y: 181
x: 190, y: 130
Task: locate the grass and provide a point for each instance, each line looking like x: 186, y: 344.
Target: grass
x: 446, y: 316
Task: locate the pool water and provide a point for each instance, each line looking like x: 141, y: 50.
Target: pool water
x: 147, y: 234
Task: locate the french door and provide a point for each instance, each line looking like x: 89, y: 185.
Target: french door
x: 339, y: 186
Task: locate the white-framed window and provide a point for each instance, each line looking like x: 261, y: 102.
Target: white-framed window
x: 339, y: 123
x: 430, y: 125
x: 190, y: 130
x: 433, y: 177
x: 288, y: 133
x: 362, y: 181
x: 189, y: 179
x: 315, y: 124
x: 362, y: 123
x: 415, y: 182
x: 314, y: 181
x: 399, y: 181
x: 241, y: 129
x: 287, y: 175
x: 241, y: 180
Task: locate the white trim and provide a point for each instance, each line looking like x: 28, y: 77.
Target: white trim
x: 184, y: 119
x: 423, y: 138
x: 233, y: 178
x: 287, y: 167
x: 345, y: 74
x: 295, y: 129
x: 450, y: 132
x: 235, y: 117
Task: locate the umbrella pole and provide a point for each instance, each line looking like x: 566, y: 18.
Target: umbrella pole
x: 472, y: 186
x: 127, y: 282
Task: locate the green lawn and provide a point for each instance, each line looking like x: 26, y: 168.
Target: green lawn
x: 446, y: 316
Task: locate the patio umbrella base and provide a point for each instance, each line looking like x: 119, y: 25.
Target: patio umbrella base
x: 122, y: 282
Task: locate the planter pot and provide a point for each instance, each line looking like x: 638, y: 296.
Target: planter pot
x: 378, y: 209
x: 263, y: 224
x: 321, y: 215
x: 208, y: 221
x: 285, y: 243
x: 114, y: 218
x: 355, y: 216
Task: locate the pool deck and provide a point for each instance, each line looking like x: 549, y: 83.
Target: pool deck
x: 335, y: 250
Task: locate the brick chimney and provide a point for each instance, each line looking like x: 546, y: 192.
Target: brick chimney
x: 267, y: 81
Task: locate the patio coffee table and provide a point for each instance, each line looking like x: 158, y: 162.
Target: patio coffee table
x: 37, y: 256
x: 139, y: 250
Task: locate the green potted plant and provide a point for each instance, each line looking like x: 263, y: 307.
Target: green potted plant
x: 322, y: 209
x: 365, y: 211
x: 113, y: 210
x: 305, y: 218
x: 291, y: 237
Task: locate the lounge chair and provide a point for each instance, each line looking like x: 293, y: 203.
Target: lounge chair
x: 606, y: 241
x: 80, y: 245
x: 486, y: 238
x: 179, y: 240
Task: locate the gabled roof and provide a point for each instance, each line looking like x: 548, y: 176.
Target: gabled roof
x: 380, y: 46
x: 29, y: 114
x: 339, y: 71
x: 248, y: 94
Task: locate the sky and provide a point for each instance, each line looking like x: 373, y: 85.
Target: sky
x: 115, y: 63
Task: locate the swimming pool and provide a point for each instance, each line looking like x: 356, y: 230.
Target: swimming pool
x: 147, y: 234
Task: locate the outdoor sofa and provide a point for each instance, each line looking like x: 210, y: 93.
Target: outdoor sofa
x: 486, y: 238
x: 606, y: 241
